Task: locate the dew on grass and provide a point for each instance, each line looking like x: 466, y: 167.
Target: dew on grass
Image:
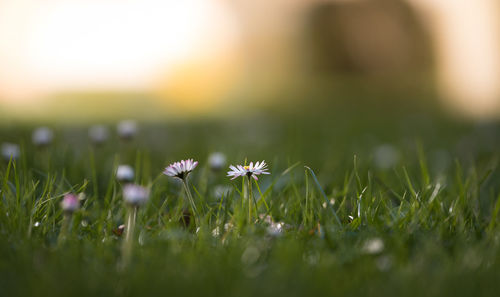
x: 331, y: 202
x: 273, y: 228
x: 228, y: 227
x: 276, y: 229
x: 82, y: 196
x: 373, y: 246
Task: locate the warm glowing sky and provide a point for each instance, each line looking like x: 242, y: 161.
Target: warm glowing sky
x: 51, y: 45
x: 466, y: 34
x: 144, y: 45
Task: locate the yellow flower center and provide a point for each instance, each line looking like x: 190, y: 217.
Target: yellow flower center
x: 246, y: 167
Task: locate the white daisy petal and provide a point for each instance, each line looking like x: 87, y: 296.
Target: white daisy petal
x: 135, y: 195
x: 251, y: 170
x: 180, y: 169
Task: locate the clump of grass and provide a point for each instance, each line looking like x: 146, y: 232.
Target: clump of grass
x: 339, y: 226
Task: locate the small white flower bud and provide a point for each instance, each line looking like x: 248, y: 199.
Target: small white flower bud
x: 126, y: 129
x: 373, y: 246
x: 98, y: 134
x: 217, y: 161
x: 70, y: 203
x: 135, y: 195
x: 10, y: 150
x: 42, y: 136
x: 125, y: 173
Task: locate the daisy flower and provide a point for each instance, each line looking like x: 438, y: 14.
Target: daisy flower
x: 216, y: 161
x: 98, y: 134
x: 180, y: 169
x: 135, y: 195
x: 124, y: 173
x: 42, y: 136
x: 70, y: 203
x: 10, y: 150
x: 251, y: 170
x: 126, y: 129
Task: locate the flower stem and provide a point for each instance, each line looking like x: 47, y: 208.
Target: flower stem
x: 63, y: 235
x: 129, y: 235
x: 244, y: 189
x: 190, y: 200
x: 250, y: 198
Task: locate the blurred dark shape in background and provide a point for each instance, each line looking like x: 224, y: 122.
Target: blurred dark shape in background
x: 375, y: 39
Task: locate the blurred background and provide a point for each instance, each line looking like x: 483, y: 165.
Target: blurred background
x: 152, y: 60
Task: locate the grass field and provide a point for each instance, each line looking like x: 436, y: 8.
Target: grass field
x: 416, y: 196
